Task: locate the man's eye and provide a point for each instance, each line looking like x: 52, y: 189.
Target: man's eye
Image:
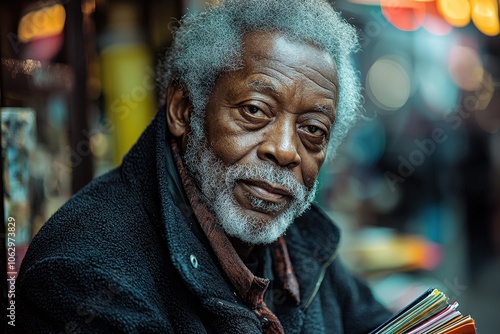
x: 253, y: 110
x: 315, y: 130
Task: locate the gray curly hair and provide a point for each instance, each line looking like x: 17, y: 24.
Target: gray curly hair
x: 208, y: 43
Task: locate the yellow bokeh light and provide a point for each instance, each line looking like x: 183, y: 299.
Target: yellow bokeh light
x: 485, y: 16
x: 455, y: 12
x: 41, y: 23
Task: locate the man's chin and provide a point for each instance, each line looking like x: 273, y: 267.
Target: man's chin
x: 254, y: 227
x: 256, y: 238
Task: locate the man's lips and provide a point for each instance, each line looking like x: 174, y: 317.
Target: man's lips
x: 265, y: 191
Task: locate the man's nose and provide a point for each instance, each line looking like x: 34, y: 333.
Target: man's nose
x: 280, y: 145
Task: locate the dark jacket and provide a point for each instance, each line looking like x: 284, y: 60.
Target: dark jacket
x: 125, y: 254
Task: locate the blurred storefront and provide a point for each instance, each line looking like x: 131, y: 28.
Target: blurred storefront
x: 77, y: 90
x: 416, y: 187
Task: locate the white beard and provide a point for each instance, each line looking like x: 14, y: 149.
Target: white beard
x: 217, y: 182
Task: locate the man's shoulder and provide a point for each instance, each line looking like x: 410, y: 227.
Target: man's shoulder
x: 107, y: 212
x: 105, y: 198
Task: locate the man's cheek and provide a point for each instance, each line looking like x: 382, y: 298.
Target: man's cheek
x: 310, y: 180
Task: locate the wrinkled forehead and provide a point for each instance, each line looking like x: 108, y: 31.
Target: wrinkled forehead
x: 276, y: 48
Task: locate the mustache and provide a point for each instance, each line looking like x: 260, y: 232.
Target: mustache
x: 269, y: 173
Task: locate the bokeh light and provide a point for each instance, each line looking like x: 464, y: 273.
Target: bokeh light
x: 388, y: 84
x: 455, y: 12
x: 465, y: 67
x: 485, y: 16
x: 41, y: 23
x: 404, y: 15
x: 433, y: 21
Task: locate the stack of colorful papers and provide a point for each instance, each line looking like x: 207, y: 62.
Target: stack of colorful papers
x: 431, y: 313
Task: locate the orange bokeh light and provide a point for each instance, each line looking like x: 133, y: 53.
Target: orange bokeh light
x: 455, y: 12
x: 404, y: 15
x: 438, y: 16
x: 485, y: 16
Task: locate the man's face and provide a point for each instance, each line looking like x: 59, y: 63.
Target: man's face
x: 267, y: 127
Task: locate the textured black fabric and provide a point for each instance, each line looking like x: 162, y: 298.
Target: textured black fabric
x: 118, y: 257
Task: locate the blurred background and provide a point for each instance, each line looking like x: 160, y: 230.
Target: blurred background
x: 415, y: 188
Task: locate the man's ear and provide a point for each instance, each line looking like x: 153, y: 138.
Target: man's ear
x: 178, y: 110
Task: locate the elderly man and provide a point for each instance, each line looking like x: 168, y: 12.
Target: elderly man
x: 207, y: 226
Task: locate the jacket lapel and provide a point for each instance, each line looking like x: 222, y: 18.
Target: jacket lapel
x: 312, y: 242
